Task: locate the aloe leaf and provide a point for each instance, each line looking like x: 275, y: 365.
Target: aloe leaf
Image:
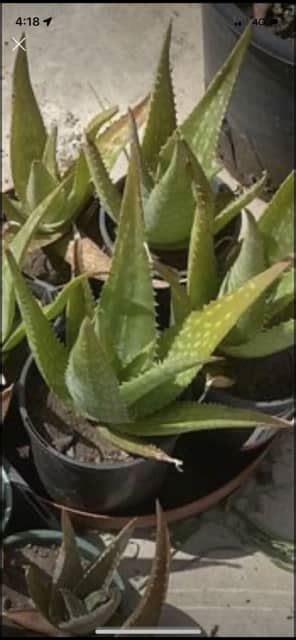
x: 170, y: 207
x: 201, y: 129
x: 146, y: 180
x: 129, y: 286
x: 96, y: 598
x: 281, y: 297
x: 51, y: 311
x: 203, y: 331
x: 202, y: 282
x: 161, y: 119
x: 80, y: 301
x: 13, y: 209
x: 87, y: 624
x: 181, y: 304
x: 74, y: 607
x: 40, y: 184
x: 49, y: 354
x: 265, y: 343
x: 19, y: 246
x: 183, y: 417
x: 32, y: 620
x: 137, y: 447
x: 49, y: 158
x: 97, y: 122
x: 39, y: 587
x: 111, y: 142
x: 100, y: 573
x: 79, y: 304
x: 148, y: 610
x: 237, y: 204
x: 28, y: 133
x: 68, y: 568
x: 82, y: 187
x: 277, y: 222
x: 143, y: 394
x: 90, y: 379
x: 106, y: 190
x: 250, y: 262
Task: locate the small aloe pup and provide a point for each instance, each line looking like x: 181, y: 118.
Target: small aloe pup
x: 37, y: 178
x: 170, y: 152
x: 77, y: 600
x: 114, y: 368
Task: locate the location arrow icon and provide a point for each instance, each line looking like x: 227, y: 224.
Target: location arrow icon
x: 47, y: 21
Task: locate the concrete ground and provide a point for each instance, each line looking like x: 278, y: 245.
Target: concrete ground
x: 223, y: 580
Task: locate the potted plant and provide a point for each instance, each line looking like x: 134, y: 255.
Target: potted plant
x: 115, y: 382
x: 75, y: 589
x: 257, y: 132
x: 41, y: 189
x: 259, y: 349
x: 168, y: 155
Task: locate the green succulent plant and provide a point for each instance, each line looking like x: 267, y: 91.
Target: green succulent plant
x: 37, y: 179
x: 268, y: 325
x: 114, y: 367
x: 171, y: 156
x: 78, y: 600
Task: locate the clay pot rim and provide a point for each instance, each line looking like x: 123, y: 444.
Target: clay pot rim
x: 176, y: 514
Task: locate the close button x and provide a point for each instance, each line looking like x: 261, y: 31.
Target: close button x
x: 19, y: 44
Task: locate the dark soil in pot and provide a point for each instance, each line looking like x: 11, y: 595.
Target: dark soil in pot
x: 99, y: 478
x: 264, y: 384
x: 258, y: 131
x: 39, y: 266
x: 67, y: 433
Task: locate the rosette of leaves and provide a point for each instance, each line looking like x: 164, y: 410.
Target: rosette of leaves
x: 114, y: 367
x: 12, y: 330
x: 77, y: 600
x: 37, y: 179
x: 169, y: 152
x: 268, y: 325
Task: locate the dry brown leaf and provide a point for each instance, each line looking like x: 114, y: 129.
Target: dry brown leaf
x: 89, y: 256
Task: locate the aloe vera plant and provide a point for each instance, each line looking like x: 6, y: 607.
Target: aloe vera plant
x: 37, y: 179
x: 267, y: 326
x: 78, y: 600
x: 114, y: 367
x: 174, y: 157
x: 13, y: 330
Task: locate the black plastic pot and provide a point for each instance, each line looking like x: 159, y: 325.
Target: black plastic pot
x: 258, y: 129
x: 266, y: 399
x: 101, y: 488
